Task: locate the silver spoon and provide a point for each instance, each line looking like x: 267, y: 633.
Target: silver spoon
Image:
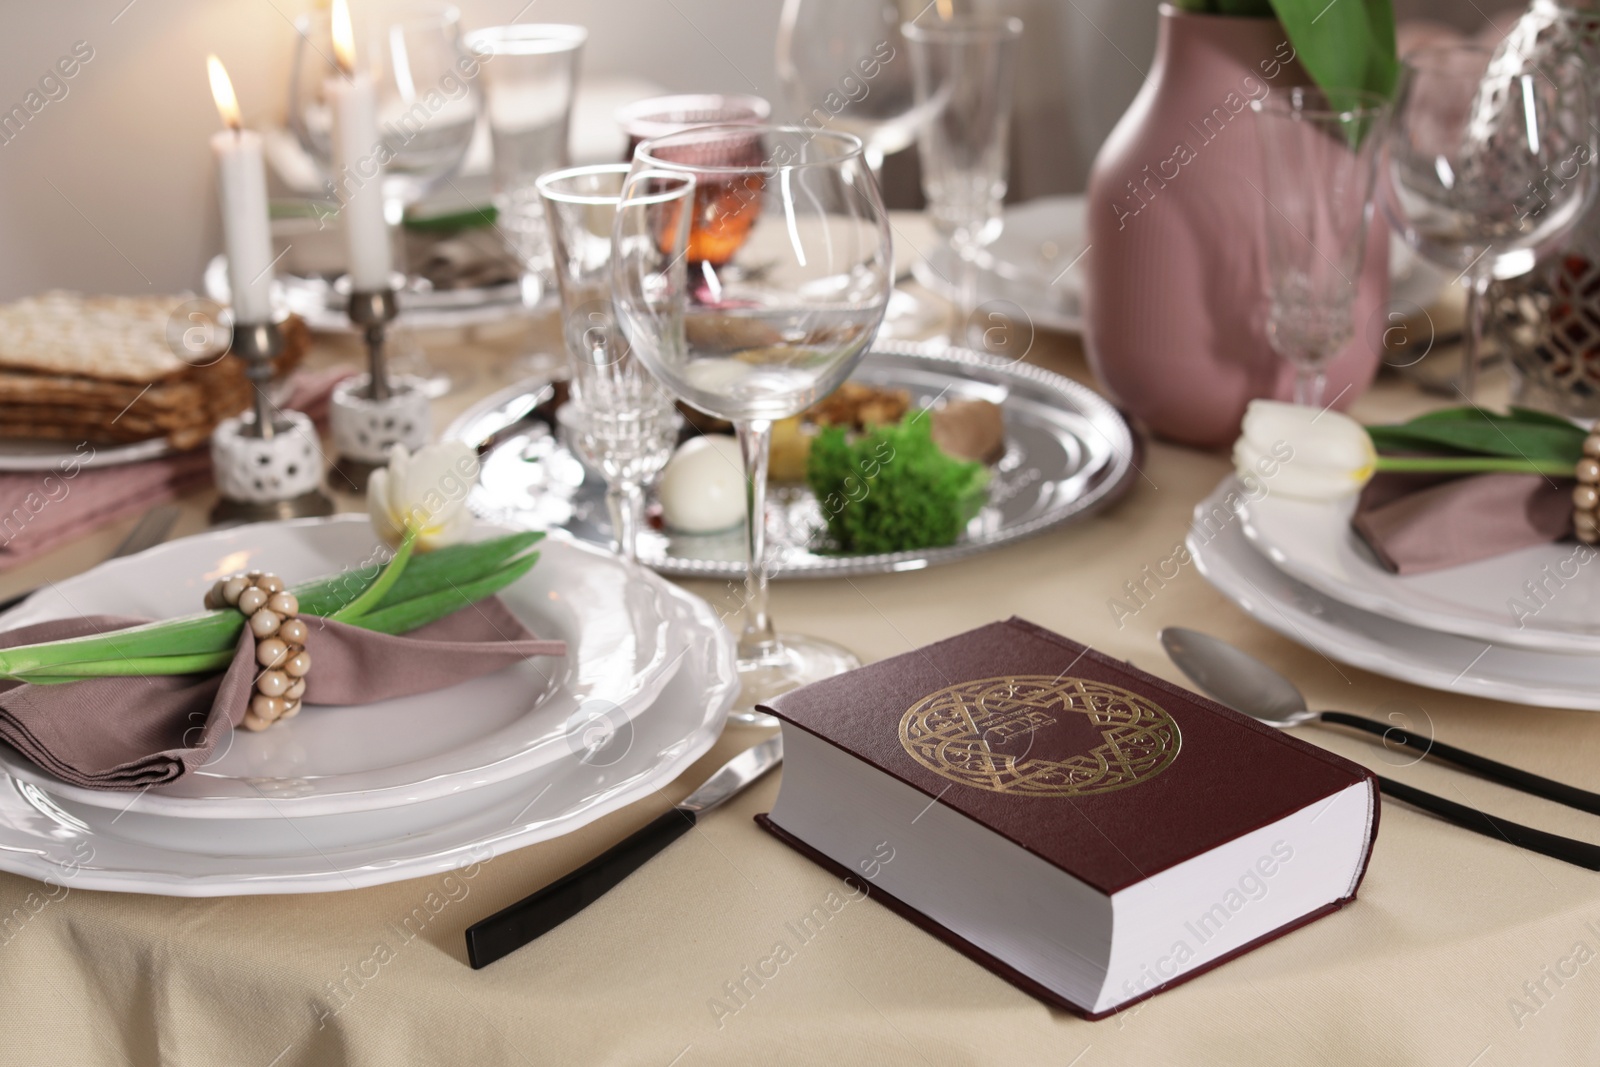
x: 1249, y: 686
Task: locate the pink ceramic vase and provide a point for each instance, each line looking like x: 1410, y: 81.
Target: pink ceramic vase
x: 1176, y: 307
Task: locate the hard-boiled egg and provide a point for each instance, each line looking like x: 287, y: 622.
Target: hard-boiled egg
x: 702, y: 489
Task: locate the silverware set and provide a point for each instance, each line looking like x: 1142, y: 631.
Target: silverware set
x: 1251, y: 687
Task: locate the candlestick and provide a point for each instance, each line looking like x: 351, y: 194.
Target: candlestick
x: 242, y: 189
x: 357, y: 162
x: 372, y: 414
x: 267, y: 463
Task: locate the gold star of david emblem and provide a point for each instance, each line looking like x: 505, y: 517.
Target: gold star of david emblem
x: 982, y: 734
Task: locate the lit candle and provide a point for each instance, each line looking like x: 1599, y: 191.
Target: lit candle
x: 357, y: 165
x: 242, y: 184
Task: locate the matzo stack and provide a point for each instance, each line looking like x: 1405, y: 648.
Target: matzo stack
x: 102, y: 369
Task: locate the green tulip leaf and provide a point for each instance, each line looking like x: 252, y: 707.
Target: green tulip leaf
x: 1472, y: 431
x: 1343, y: 44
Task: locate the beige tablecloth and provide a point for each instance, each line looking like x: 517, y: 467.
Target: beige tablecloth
x: 1460, y: 951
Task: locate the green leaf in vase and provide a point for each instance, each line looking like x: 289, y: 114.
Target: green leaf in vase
x: 1345, y: 44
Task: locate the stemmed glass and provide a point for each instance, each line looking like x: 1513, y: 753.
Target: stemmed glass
x: 620, y: 422
x: 1490, y: 161
x: 964, y: 70
x: 843, y: 65
x: 763, y: 333
x: 1319, y: 157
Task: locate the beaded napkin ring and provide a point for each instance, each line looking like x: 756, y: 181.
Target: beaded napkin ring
x: 272, y: 613
x: 1586, y: 497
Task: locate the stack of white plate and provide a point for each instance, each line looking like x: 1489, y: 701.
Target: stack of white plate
x: 338, y: 798
x: 1522, y: 627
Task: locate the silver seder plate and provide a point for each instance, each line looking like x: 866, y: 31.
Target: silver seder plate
x: 1068, y: 452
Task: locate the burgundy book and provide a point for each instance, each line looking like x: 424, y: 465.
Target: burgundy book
x: 1088, y: 831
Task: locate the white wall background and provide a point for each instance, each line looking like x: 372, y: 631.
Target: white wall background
x: 110, y: 188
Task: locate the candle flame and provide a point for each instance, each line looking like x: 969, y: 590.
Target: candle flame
x: 344, y: 36
x: 947, y: 9
x: 222, y: 93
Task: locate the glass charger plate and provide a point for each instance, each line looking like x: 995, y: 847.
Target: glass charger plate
x: 43, y: 836
x: 624, y: 631
x: 1339, y: 631
x: 1068, y: 452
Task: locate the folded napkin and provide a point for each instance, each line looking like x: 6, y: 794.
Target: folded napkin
x: 1417, y: 523
x: 39, y: 510
x: 129, y: 733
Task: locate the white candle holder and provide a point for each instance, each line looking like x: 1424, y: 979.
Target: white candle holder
x: 371, y: 414
x: 266, y: 462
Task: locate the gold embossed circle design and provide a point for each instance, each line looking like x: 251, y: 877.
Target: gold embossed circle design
x: 956, y: 732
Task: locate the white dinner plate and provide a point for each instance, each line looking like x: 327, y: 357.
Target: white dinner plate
x: 1454, y: 664
x: 1033, y: 263
x: 1313, y: 542
x: 84, y: 847
x: 60, y: 456
x: 622, y: 624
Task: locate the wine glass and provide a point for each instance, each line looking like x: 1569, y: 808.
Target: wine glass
x: 619, y: 420
x: 720, y: 222
x: 1490, y: 161
x: 964, y: 71
x: 843, y: 66
x: 1319, y: 155
x: 773, y: 327
x: 428, y: 99
x: 658, y: 116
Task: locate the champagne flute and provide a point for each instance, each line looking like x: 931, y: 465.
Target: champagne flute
x: 1319, y: 157
x: 1491, y: 161
x: 763, y: 334
x: 621, y: 423
x: 965, y: 71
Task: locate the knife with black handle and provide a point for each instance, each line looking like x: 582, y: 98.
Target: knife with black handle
x: 537, y: 914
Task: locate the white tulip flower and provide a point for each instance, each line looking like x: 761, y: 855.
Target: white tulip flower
x: 1313, y: 454
x: 425, y: 492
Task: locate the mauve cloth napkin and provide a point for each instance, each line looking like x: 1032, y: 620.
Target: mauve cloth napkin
x: 128, y: 733
x: 40, y: 510
x: 1419, y: 523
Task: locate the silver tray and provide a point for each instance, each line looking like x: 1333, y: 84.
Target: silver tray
x: 1068, y: 452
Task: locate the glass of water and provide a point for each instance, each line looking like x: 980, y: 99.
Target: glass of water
x: 766, y: 326
x: 529, y: 74
x: 619, y: 420
x: 964, y: 69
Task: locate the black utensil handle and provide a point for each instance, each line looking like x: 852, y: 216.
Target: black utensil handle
x: 1495, y: 771
x: 1580, y: 853
x: 540, y: 912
